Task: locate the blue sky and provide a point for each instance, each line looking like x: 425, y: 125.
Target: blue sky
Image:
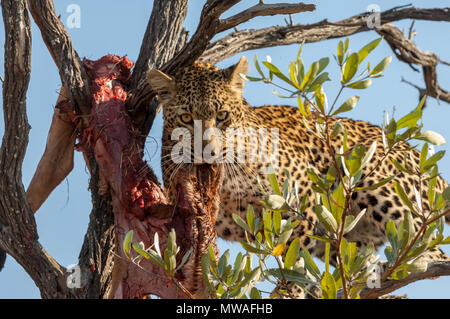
x: 112, y: 26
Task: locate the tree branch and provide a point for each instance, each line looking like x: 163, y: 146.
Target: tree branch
x: 407, y: 51
x: 435, y: 269
x: 59, y: 44
x: 18, y: 233
x: 262, y: 9
x: 164, y: 37
x: 245, y: 40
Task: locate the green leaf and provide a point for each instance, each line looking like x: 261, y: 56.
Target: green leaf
x: 223, y: 262
x: 323, y: 63
x: 340, y: 52
x: 362, y: 258
x: 170, y: 262
x: 328, y: 286
x: 127, y: 243
x: 320, y: 100
x: 432, y: 160
x: 432, y: 186
x: 310, y: 265
x: 400, y: 273
x: 337, y: 129
x: 423, y: 156
x: 252, y: 79
x: 253, y: 275
x: 278, y: 73
x: 138, y: 248
x: 446, y: 241
x: 273, y: 180
x: 352, y: 224
x: 360, y: 85
x: 350, y: 68
x: 258, y: 68
x: 377, y: 185
x: 185, y: 258
x: 255, y: 294
x: 418, y: 266
x: 268, y: 234
x: 290, y: 275
x: 205, y: 274
x: 317, y: 83
x: 276, y: 202
x: 364, y: 52
x: 410, y: 120
x: 332, y: 174
x: 238, y: 220
x: 155, y: 258
x: 391, y: 232
x: 380, y: 67
x: 405, y: 230
x: 326, y: 218
x: 251, y: 219
x: 323, y: 239
x: 390, y: 255
x: 431, y: 137
x: 277, y: 221
x: 292, y: 254
x: 347, y: 105
x: 310, y: 75
x: 239, y: 265
x: 391, y: 130
x: 252, y: 249
x: 293, y: 70
x: 284, y: 237
x: 172, y: 241
x: 401, y: 192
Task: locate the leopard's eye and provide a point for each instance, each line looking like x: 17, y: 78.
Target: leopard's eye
x: 186, y: 118
x: 222, y: 116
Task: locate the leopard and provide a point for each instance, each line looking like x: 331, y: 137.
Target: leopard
x: 205, y: 94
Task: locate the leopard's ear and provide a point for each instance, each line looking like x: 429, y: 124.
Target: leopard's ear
x: 163, y: 84
x: 235, y: 74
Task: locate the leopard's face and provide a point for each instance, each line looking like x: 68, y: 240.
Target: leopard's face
x: 202, y: 102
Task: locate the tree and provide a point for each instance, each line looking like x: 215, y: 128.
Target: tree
x: 165, y: 48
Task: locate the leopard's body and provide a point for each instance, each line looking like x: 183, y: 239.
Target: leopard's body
x: 203, y: 92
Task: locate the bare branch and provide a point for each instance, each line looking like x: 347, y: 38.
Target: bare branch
x: 407, y: 51
x: 18, y: 233
x: 245, y: 40
x: 262, y: 9
x: 435, y: 269
x: 411, y: 32
x: 164, y: 37
x: 59, y: 44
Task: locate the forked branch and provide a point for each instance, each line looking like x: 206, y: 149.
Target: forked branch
x: 407, y: 51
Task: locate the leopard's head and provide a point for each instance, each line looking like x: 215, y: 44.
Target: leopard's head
x: 200, y: 100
